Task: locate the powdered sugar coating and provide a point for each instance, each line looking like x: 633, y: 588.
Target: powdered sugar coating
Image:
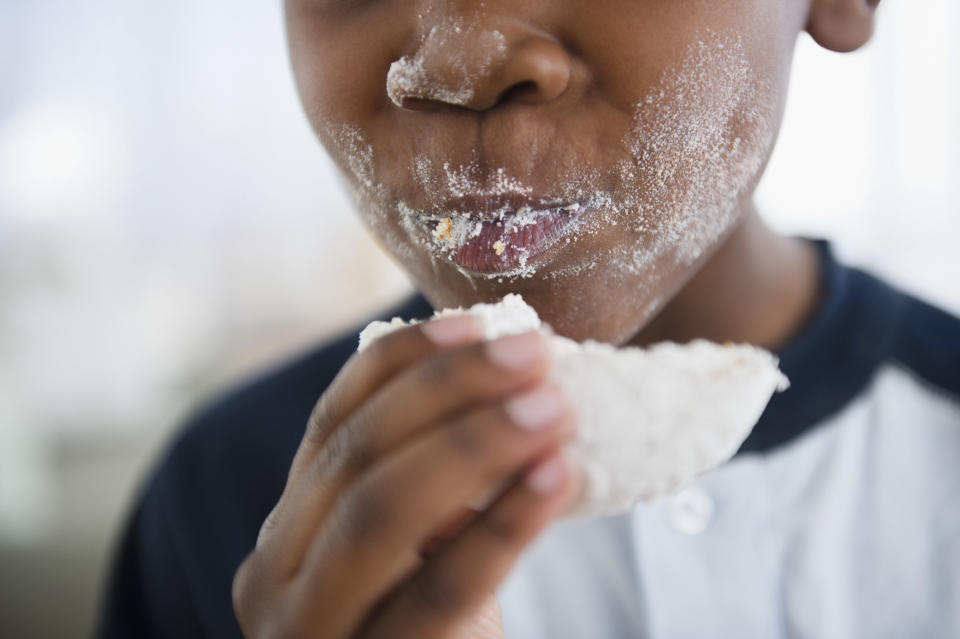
x: 698, y: 142
x: 653, y: 419
x: 650, y: 419
x: 412, y: 77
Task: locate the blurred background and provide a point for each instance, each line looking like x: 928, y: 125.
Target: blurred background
x: 168, y: 225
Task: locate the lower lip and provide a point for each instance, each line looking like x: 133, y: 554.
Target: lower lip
x: 503, y: 246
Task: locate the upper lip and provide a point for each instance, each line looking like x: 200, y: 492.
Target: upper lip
x: 489, y: 207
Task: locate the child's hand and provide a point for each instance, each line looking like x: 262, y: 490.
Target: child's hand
x: 410, y: 431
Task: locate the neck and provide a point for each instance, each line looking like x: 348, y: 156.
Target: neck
x: 759, y: 287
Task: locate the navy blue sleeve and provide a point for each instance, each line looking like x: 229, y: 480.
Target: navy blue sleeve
x: 201, y: 510
x: 148, y: 595
x: 929, y: 345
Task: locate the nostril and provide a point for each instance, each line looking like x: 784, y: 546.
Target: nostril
x: 417, y: 104
x: 538, y: 70
x: 518, y: 92
x: 479, y: 69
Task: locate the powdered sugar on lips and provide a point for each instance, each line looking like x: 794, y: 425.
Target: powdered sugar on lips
x: 498, y: 243
x: 507, y: 242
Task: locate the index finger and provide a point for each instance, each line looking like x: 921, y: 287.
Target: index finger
x: 367, y: 371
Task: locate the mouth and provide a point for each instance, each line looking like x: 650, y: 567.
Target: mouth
x: 496, y: 235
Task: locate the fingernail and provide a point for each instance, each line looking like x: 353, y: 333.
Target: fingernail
x: 548, y: 476
x: 451, y: 330
x: 536, y: 409
x: 516, y: 351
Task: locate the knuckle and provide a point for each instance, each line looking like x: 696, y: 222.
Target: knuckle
x: 350, y: 447
x: 468, y: 439
x: 433, y: 594
x: 454, y: 373
x: 320, y: 473
x: 438, y: 370
x: 365, y: 512
x: 322, y: 476
x: 501, y: 527
x: 320, y: 422
x: 359, y: 434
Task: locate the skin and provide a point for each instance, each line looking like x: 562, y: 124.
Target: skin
x: 370, y: 537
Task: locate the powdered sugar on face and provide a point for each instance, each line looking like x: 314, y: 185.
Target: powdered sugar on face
x: 698, y: 142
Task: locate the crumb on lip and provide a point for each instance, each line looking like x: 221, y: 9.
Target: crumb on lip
x: 499, y: 247
x: 444, y: 227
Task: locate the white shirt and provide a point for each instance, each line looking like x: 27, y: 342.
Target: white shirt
x: 852, y: 530
x: 839, y: 517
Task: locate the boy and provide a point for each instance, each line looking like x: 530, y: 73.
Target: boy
x: 599, y: 158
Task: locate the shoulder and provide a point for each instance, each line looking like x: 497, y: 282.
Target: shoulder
x: 199, y: 512
x: 244, y: 441
x: 927, y: 343
x: 227, y: 466
x: 899, y: 330
x: 863, y: 326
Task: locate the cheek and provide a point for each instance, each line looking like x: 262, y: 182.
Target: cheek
x: 700, y: 140
x: 340, y: 58
x: 329, y: 93
x: 341, y: 90
x: 350, y: 148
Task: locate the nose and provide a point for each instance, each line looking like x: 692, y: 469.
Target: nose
x: 479, y: 67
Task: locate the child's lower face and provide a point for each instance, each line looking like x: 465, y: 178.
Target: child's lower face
x: 589, y: 155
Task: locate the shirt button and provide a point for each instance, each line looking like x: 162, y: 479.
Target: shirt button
x: 690, y: 511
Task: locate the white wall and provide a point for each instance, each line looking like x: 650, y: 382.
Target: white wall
x: 869, y: 154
